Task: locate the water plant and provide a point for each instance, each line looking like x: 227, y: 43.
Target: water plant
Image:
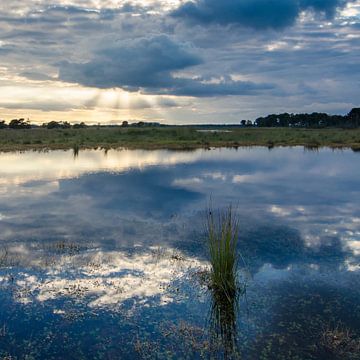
x: 3, y: 257
x: 222, y: 236
x: 76, y: 150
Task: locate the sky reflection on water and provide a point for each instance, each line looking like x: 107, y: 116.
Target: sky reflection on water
x: 124, y: 230
x: 128, y: 196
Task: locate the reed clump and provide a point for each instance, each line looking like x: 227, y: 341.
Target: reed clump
x: 222, y: 230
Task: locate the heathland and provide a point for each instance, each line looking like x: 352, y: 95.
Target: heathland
x: 175, y: 137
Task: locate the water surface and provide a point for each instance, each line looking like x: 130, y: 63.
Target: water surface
x: 102, y: 253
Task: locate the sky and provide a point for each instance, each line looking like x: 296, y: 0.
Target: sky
x: 177, y: 61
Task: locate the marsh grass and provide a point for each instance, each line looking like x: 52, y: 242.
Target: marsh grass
x: 223, y: 329
x: 173, y: 137
x: 76, y: 150
x: 222, y: 230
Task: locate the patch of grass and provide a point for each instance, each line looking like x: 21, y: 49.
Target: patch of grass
x: 174, y: 137
x: 222, y: 230
x: 222, y: 235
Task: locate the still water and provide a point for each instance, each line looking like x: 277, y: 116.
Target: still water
x: 102, y: 254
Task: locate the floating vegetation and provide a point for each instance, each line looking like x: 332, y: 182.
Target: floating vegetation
x: 66, y: 247
x: 338, y: 342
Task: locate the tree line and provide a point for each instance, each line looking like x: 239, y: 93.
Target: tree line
x: 314, y: 120
x: 25, y: 124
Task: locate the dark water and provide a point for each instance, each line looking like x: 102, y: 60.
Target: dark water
x: 102, y: 255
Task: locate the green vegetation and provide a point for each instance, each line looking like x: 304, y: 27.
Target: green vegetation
x: 222, y: 232
x: 222, y: 236
x: 314, y: 120
x: 175, y: 137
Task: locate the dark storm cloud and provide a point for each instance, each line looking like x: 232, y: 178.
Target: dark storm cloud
x: 147, y: 64
x: 257, y: 14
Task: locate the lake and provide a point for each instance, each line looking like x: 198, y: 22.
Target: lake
x: 103, y: 254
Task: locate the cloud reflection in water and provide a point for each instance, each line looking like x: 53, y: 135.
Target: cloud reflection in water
x: 105, y: 279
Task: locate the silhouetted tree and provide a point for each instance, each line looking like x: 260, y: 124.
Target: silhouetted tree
x: 19, y: 124
x: 354, y: 116
x: 314, y: 120
x: 125, y: 124
x: 3, y: 124
x: 79, y: 126
x: 57, y: 125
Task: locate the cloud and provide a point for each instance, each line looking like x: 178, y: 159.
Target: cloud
x: 132, y: 64
x: 46, y: 105
x: 197, y: 88
x: 257, y: 14
x: 314, y: 62
x: 147, y: 64
x: 43, y: 105
x: 35, y: 75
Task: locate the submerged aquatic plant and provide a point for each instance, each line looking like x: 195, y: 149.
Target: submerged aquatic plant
x: 3, y: 257
x: 340, y: 342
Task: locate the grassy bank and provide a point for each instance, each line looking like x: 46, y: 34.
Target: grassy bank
x: 174, y: 138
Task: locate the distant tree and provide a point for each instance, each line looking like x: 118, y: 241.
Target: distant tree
x: 79, y: 126
x: 249, y: 123
x: 140, y: 123
x: 57, y: 125
x: 19, y: 124
x: 354, y: 116
x: 125, y: 124
x: 53, y: 125
x: 243, y: 122
x: 3, y: 124
x: 314, y: 120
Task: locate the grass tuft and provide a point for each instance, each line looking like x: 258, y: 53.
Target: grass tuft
x: 222, y: 232
x: 222, y: 236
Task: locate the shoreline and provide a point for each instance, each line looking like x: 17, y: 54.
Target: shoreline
x: 47, y: 148
x: 173, y: 138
